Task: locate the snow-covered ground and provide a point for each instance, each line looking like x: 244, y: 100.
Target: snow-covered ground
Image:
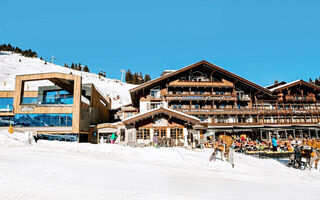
x: 10, y: 66
x: 62, y: 170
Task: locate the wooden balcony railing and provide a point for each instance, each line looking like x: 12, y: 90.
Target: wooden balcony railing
x: 261, y: 123
x: 207, y: 97
x: 300, y: 98
x: 201, y: 83
x: 247, y: 111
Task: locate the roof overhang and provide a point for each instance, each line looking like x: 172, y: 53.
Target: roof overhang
x: 157, y: 111
x: 203, y: 62
x: 294, y: 83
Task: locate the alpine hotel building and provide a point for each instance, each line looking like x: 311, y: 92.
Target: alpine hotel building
x: 201, y: 101
x: 182, y: 107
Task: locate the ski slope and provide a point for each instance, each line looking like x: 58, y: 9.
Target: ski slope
x: 62, y: 170
x: 10, y: 66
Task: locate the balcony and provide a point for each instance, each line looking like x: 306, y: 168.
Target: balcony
x: 218, y: 111
x: 260, y: 123
x: 180, y: 83
x: 300, y: 98
x: 248, y: 111
x: 205, y: 97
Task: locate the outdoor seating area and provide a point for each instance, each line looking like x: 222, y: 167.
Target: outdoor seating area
x: 264, y: 148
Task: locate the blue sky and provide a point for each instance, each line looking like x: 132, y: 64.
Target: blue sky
x: 258, y: 40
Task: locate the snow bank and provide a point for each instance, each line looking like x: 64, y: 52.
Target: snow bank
x: 10, y: 66
x: 121, y: 172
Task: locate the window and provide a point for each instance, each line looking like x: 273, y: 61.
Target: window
x: 155, y: 93
x: 57, y: 97
x: 176, y: 133
x: 6, y: 121
x: 175, y: 106
x: 197, y: 106
x: 163, y: 133
x: 60, y: 137
x: 143, y: 133
x: 222, y: 106
x: 155, y: 105
x: 6, y: 104
x: 43, y: 120
x: 179, y: 106
x: 129, y: 114
x: 30, y: 100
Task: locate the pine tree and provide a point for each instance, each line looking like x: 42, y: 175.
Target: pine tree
x: 128, y: 77
x: 140, y: 78
x: 86, y: 69
x: 147, y: 78
x: 135, y: 78
x: 72, y: 65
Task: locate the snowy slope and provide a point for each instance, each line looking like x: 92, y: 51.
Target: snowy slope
x: 62, y: 170
x: 10, y: 67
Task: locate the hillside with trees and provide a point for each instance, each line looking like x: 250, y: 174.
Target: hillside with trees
x: 136, y: 78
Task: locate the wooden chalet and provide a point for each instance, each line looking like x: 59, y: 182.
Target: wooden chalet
x: 224, y: 103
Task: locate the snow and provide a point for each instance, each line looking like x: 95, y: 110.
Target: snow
x: 62, y: 170
x: 284, y: 85
x: 10, y: 67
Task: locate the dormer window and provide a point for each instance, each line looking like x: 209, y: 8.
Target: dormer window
x: 155, y: 93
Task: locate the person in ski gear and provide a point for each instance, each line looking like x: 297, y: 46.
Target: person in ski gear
x: 113, y: 138
x: 274, y: 143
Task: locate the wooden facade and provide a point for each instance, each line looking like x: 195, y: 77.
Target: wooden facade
x: 225, y: 101
x: 88, y: 106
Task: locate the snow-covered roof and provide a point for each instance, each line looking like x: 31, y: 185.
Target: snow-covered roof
x: 280, y: 86
x: 166, y: 109
x: 221, y: 70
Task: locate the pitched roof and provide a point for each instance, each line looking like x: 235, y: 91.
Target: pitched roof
x: 215, y: 67
x: 275, y: 85
x: 168, y: 111
x: 293, y: 83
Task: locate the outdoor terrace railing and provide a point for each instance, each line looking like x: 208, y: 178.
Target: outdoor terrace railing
x: 247, y: 111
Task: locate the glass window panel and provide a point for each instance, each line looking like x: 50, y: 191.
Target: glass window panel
x: 43, y: 120
x: 30, y: 100
x: 6, y: 121
x: 6, y: 104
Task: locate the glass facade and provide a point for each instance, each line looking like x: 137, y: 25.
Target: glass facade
x: 61, y: 137
x: 6, y: 121
x: 57, y: 97
x: 43, y: 120
x: 6, y: 104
